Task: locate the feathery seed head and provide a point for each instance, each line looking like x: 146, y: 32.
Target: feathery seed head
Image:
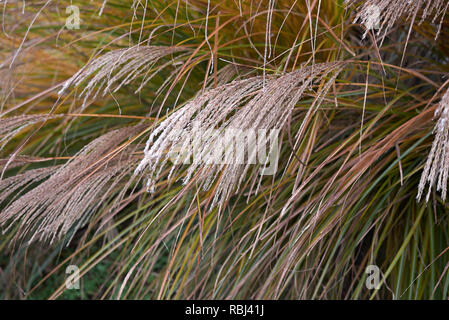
x: 382, y: 14
x: 249, y: 104
x: 436, y: 168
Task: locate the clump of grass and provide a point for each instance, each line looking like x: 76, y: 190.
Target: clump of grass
x: 437, y: 167
x: 87, y: 119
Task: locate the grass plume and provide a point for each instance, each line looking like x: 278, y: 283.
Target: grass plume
x: 90, y: 119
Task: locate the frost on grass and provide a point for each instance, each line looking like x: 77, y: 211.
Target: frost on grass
x: 382, y: 14
x: 437, y: 165
x: 249, y: 105
x: 117, y: 68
